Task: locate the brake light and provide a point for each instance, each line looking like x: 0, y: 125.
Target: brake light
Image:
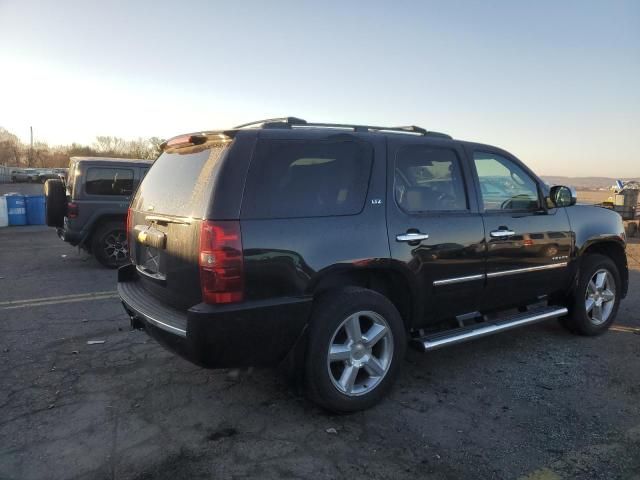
x: 183, y: 140
x: 72, y: 210
x: 221, y: 262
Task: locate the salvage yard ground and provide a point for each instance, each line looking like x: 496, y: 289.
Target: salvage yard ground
x: 536, y: 402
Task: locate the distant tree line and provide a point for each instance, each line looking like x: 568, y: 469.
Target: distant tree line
x: 15, y: 153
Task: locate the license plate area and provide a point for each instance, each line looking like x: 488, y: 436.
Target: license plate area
x: 150, y: 245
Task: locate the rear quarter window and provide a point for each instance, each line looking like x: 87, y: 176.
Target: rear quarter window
x: 307, y: 178
x: 109, y: 181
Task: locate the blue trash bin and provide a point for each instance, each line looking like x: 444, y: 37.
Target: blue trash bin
x: 17, y: 209
x: 35, y: 209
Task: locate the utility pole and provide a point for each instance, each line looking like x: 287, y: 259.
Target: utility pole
x: 31, y: 147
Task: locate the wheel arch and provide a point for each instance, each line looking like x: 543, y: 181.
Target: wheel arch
x: 97, y: 223
x: 385, y: 277
x: 613, y: 248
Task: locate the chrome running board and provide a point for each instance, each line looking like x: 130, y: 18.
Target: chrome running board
x: 484, y: 329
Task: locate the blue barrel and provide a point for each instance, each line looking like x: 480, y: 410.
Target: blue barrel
x: 35, y: 209
x: 17, y: 209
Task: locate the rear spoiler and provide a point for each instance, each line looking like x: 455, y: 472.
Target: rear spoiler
x: 197, y: 138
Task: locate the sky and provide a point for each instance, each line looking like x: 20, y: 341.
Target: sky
x: 556, y: 83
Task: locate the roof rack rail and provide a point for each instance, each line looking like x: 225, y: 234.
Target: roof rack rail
x: 295, y: 122
x: 270, y: 121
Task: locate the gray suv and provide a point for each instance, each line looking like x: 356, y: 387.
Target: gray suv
x: 90, y: 209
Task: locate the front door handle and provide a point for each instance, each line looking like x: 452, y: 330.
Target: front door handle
x: 502, y: 233
x: 411, y: 237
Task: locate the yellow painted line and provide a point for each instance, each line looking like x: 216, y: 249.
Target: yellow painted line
x: 57, y: 297
x: 620, y: 328
x: 66, y: 300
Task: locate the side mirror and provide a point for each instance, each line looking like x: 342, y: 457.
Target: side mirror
x: 562, y: 196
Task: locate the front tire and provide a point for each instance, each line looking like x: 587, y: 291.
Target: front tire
x: 597, y: 297
x: 357, y: 342
x: 109, y: 244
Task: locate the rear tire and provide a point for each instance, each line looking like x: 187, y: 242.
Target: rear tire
x: 357, y: 342
x: 109, y: 244
x: 55, y: 202
x: 595, y: 302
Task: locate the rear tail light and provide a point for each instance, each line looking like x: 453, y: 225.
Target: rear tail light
x: 221, y: 263
x: 129, y: 228
x: 72, y: 210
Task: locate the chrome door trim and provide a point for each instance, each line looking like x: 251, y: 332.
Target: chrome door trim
x: 504, y: 273
x: 454, y: 280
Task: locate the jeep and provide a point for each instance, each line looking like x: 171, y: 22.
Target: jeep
x: 329, y: 248
x: 90, y: 209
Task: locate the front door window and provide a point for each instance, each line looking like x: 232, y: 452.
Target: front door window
x: 504, y: 185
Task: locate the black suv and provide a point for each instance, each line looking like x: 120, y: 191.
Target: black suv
x: 330, y: 247
x: 90, y: 209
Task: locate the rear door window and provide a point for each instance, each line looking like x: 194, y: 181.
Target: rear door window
x: 429, y: 179
x: 311, y: 178
x: 109, y: 181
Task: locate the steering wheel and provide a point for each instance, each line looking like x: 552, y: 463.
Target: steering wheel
x: 507, y: 204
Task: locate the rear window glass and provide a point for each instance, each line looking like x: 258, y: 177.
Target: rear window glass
x: 109, y: 181
x: 179, y: 183
x: 290, y: 178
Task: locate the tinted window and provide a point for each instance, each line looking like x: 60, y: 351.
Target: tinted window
x: 307, y: 179
x: 109, y: 181
x: 180, y: 183
x: 504, y: 185
x: 429, y: 179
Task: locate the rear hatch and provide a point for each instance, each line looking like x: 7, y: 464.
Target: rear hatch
x: 166, y: 216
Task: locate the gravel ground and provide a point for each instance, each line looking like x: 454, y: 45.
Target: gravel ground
x: 537, y: 403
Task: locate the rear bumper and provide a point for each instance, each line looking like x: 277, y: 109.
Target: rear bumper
x: 258, y: 333
x: 70, y: 236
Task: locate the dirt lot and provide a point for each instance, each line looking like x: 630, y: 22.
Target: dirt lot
x: 537, y: 403
x: 593, y: 196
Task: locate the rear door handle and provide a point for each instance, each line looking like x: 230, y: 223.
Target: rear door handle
x: 411, y: 237
x: 502, y: 233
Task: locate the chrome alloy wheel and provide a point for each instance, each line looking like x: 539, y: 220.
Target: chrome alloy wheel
x: 360, y: 353
x: 115, y: 246
x: 600, y: 297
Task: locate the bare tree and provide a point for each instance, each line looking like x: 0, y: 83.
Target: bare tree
x: 11, y: 148
x: 14, y: 152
